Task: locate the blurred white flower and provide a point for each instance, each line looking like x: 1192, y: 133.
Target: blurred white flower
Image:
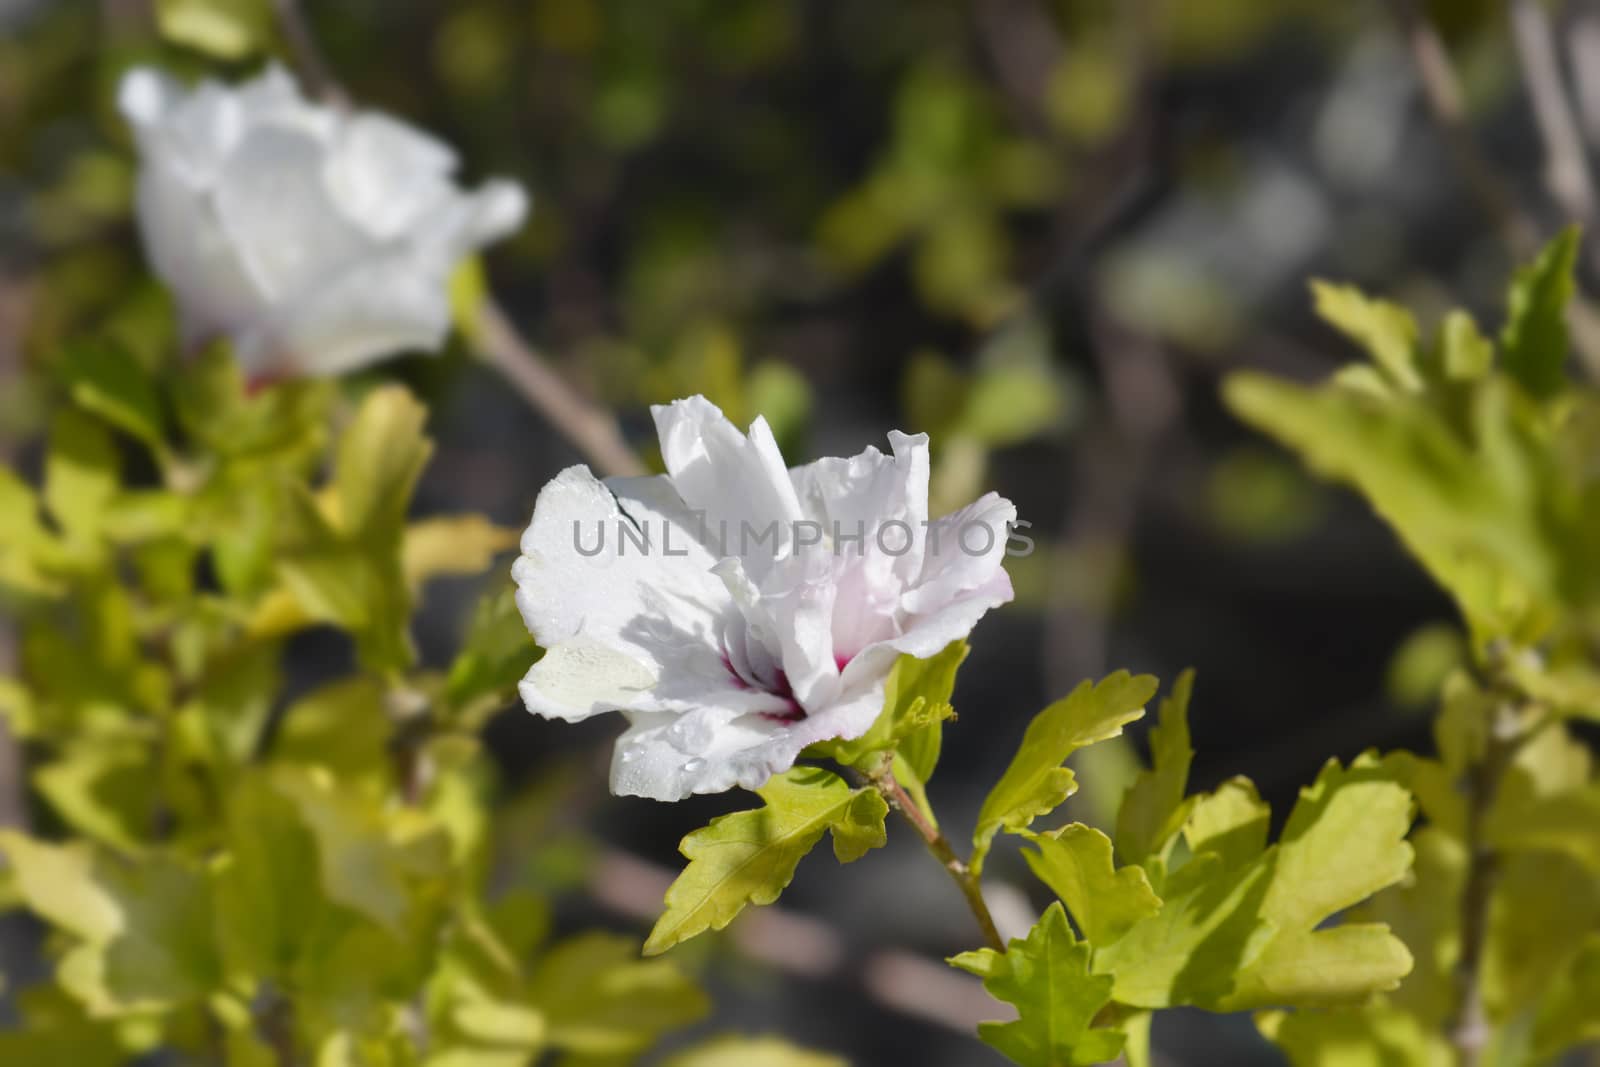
x: 316, y: 239
x: 736, y: 611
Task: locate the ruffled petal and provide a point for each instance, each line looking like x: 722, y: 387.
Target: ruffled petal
x: 377, y: 309
x: 387, y: 176
x: 965, y: 549
x: 274, y: 207
x: 737, y: 481
x: 661, y: 758
x: 858, y: 496
x: 462, y: 224
x: 624, y: 627
x: 189, y: 250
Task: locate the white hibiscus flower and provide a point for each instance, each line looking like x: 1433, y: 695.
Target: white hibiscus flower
x: 737, y: 611
x: 316, y: 239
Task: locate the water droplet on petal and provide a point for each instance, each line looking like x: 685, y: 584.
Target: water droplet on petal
x: 694, y: 766
x: 628, y: 755
x: 690, y: 734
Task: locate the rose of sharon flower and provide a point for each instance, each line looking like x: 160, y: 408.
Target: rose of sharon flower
x: 316, y: 239
x: 736, y: 610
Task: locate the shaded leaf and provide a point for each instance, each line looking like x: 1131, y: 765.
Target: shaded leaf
x: 1534, y: 341
x: 599, y: 998
x: 1154, y: 809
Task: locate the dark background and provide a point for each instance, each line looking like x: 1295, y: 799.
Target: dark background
x: 1042, y: 230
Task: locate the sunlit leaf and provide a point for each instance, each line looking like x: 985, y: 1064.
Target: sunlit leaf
x: 1036, y: 782
x: 1104, y: 901
x: 734, y: 1051
x: 1046, y: 976
x: 748, y: 857
x: 226, y: 29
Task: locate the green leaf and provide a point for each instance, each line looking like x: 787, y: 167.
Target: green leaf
x: 1075, y: 862
x: 1567, y: 822
x: 27, y: 547
x: 224, y: 29
x: 1154, y: 808
x: 108, y: 793
x: 1568, y: 1018
x: 916, y: 699
x: 1374, y: 1036
x: 918, y: 695
x: 1535, y: 336
x: 1539, y: 899
x: 1046, y: 976
x: 748, y: 857
x: 1240, y: 927
x: 1473, y: 509
x: 599, y: 998
x: 343, y: 727
x: 1387, y: 331
x: 1036, y: 782
x: 144, y: 930
x: 381, y: 455
x: 1465, y: 353
x: 362, y: 863
x: 81, y: 472
x: 1189, y: 951
x: 269, y: 895
x: 1344, y: 841
x: 110, y: 383
x: 494, y: 655
x: 58, y: 1030
x: 732, y: 1050
x: 469, y: 290
x: 457, y: 545
x: 1231, y: 823
x: 356, y: 585
x: 1432, y: 933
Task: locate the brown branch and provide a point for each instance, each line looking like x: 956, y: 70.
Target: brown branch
x: 591, y: 429
x: 1566, y: 168
x: 1518, y: 231
x: 1442, y: 89
x: 805, y: 946
x: 275, y: 1025
x: 894, y: 793
x: 307, y: 54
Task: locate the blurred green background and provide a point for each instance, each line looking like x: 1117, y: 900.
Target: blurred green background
x: 1040, y: 230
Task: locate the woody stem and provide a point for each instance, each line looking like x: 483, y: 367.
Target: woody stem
x: 898, y: 799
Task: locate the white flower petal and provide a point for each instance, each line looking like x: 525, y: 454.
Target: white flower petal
x: 379, y: 307
x: 190, y: 251
x: 664, y: 612
x: 275, y: 209
x: 317, y: 239
x: 739, y: 482
x: 965, y: 549
x: 657, y: 758
x: 756, y: 649
x: 387, y: 176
